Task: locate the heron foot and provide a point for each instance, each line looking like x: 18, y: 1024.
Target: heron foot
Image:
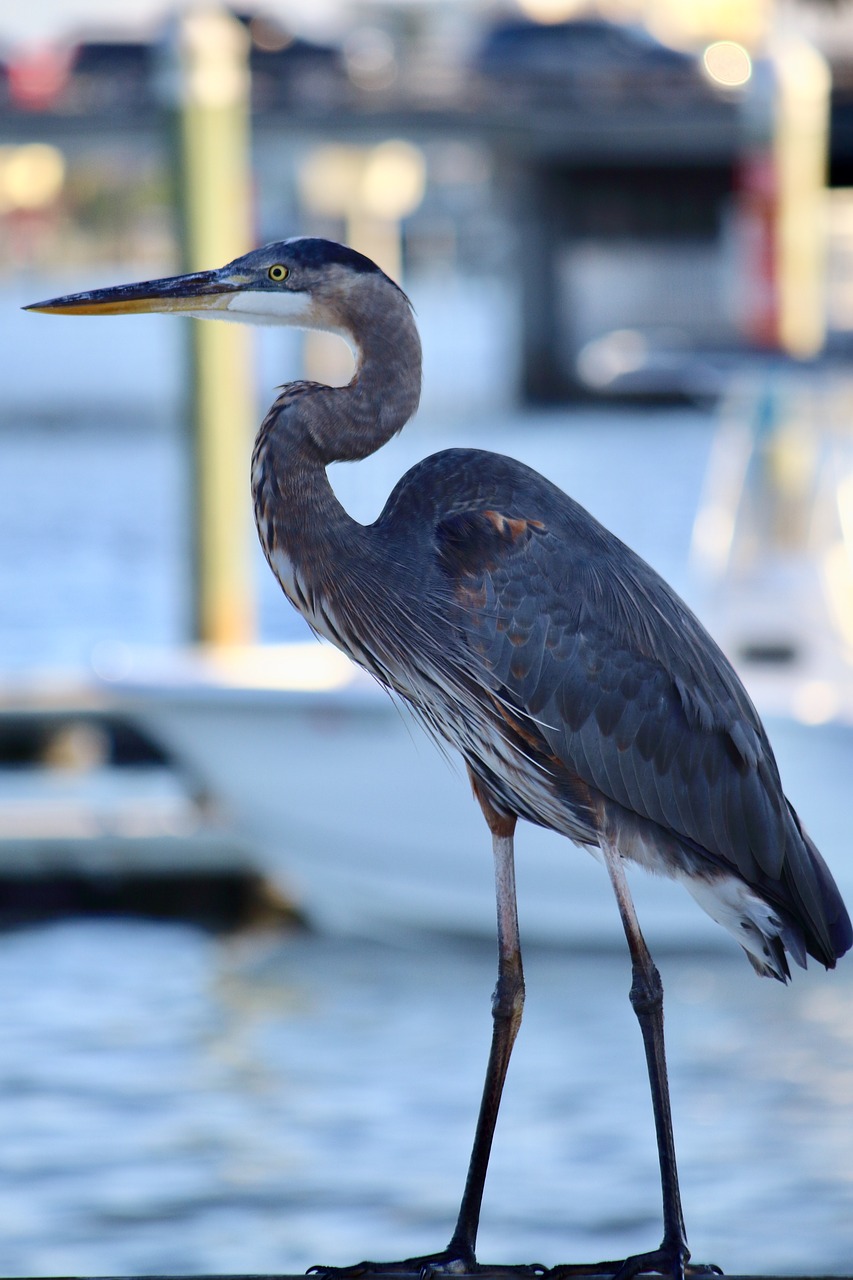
x: 451, y: 1261
x: 672, y: 1262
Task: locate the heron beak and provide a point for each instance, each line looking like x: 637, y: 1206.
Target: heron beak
x: 195, y: 294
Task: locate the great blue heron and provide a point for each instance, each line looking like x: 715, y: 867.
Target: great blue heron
x: 580, y: 690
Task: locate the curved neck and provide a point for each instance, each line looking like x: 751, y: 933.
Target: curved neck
x: 311, y: 425
x: 347, y: 423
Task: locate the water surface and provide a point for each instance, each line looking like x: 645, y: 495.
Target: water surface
x: 170, y: 1102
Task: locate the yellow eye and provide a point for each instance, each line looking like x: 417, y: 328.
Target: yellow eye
x: 278, y: 273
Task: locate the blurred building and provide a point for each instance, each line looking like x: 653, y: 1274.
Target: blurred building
x: 590, y: 191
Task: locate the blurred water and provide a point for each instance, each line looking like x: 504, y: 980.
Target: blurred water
x: 170, y: 1102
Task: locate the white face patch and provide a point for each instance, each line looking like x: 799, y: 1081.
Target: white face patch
x: 269, y: 306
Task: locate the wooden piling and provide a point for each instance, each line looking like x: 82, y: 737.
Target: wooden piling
x: 214, y: 182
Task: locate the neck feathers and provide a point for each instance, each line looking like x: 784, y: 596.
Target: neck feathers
x: 304, y: 531
x: 344, y: 424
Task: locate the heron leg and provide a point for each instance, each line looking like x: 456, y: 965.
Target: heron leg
x: 459, y: 1258
x: 672, y: 1257
x: 647, y: 1001
x: 507, y: 1008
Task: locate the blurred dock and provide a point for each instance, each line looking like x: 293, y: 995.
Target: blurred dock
x: 327, y: 796
x: 97, y: 819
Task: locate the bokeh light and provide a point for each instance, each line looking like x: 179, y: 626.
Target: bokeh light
x: 31, y: 176
x: 727, y: 63
x: 394, y: 179
x: 548, y: 11
x: 386, y: 181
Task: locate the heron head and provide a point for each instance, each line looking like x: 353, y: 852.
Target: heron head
x: 306, y: 282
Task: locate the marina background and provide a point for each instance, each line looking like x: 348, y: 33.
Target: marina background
x: 176, y: 1100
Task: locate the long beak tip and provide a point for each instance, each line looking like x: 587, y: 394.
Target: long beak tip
x: 199, y: 291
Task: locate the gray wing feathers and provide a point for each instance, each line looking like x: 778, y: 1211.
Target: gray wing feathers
x: 628, y: 691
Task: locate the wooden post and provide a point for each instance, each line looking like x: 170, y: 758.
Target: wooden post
x: 215, y: 185
x: 801, y: 153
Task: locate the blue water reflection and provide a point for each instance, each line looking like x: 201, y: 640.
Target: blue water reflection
x: 170, y: 1102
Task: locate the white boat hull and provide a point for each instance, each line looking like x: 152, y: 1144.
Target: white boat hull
x: 356, y: 813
